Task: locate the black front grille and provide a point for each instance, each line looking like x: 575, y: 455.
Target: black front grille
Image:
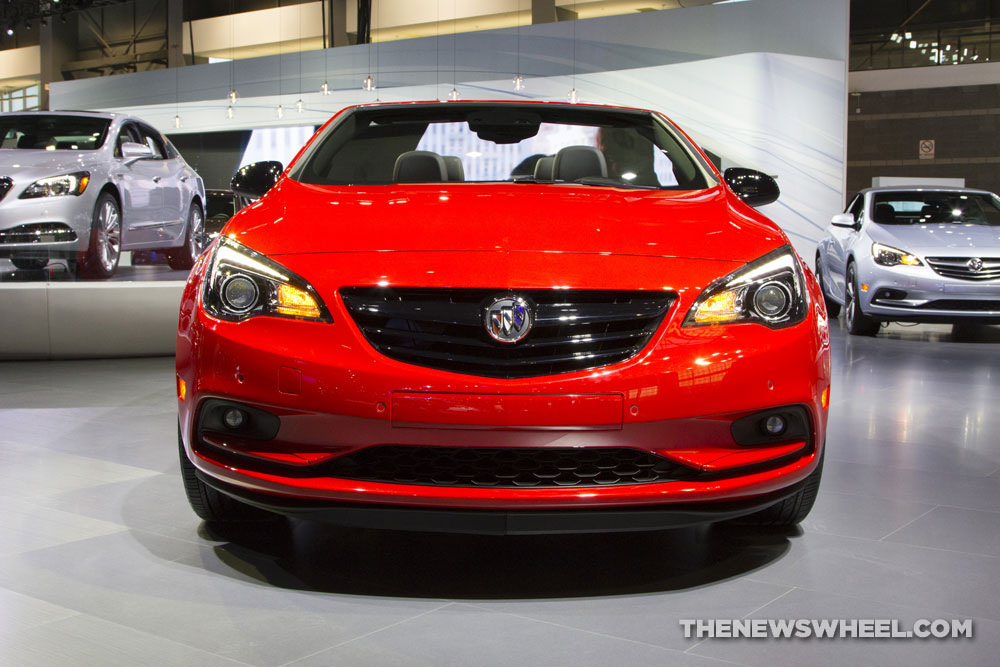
x: 444, y: 328
x: 506, y: 467
x: 5, y: 184
x: 963, y: 305
x: 958, y: 267
x: 38, y: 232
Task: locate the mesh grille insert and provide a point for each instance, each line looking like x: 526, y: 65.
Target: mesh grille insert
x: 444, y: 328
x: 506, y: 467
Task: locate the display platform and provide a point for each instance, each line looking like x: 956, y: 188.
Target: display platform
x: 64, y: 320
x: 57, y: 270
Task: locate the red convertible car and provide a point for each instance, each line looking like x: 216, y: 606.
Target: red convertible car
x: 502, y: 317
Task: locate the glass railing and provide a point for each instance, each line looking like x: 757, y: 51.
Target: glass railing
x: 925, y: 47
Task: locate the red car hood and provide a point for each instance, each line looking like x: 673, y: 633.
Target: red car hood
x: 295, y: 218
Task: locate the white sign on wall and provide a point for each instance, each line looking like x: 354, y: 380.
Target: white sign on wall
x: 926, y: 149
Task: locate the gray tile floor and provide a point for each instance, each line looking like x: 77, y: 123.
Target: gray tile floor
x: 102, y: 562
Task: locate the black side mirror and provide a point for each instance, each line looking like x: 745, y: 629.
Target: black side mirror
x: 253, y: 180
x: 754, y: 187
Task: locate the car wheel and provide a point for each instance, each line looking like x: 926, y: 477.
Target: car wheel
x: 183, y: 258
x: 29, y: 263
x: 857, y: 322
x: 209, y: 504
x: 100, y: 259
x: 832, y: 307
x: 793, y: 509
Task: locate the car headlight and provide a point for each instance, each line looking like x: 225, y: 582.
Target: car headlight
x: 242, y: 283
x: 57, y: 186
x: 768, y: 291
x: 886, y: 255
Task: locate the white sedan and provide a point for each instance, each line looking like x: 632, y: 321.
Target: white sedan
x: 86, y: 186
x: 913, y: 255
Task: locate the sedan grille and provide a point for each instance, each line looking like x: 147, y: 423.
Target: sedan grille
x: 506, y: 467
x: 5, y: 184
x: 444, y: 328
x: 966, y: 268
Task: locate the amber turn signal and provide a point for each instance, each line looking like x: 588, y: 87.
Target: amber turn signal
x: 297, y: 303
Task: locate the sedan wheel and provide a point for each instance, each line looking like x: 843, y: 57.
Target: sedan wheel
x: 195, y: 241
x: 857, y: 322
x: 101, y: 257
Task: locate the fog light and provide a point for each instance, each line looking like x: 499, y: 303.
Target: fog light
x: 233, y: 418
x: 774, y: 425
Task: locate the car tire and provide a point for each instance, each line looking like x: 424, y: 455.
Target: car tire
x: 209, y: 504
x: 184, y: 257
x: 29, y: 263
x: 858, y: 324
x: 793, y: 509
x: 832, y: 307
x: 100, y: 259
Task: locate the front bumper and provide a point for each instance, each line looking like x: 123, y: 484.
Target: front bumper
x: 502, y: 522
x: 334, y: 395
x: 919, y: 294
x: 49, y: 226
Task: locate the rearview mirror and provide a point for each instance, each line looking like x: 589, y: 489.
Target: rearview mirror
x: 753, y: 187
x: 253, y: 180
x: 132, y: 151
x: 845, y: 220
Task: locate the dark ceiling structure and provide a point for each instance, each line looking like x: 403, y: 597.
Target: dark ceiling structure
x: 869, y: 16
x: 18, y: 13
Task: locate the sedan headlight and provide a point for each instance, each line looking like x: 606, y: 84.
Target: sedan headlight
x: 769, y: 291
x: 58, y: 186
x: 886, y: 255
x: 242, y: 283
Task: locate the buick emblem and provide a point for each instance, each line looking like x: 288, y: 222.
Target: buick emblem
x: 975, y: 265
x: 508, y: 319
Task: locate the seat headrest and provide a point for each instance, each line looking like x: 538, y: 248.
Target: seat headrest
x: 573, y: 162
x: 544, y: 168
x: 884, y: 213
x: 453, y: 167
x: 27, y: 141
x: 419, y: 167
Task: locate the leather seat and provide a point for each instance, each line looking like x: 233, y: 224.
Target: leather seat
x: 575, y: 162
x: 544, y: 168
x: 884, y: 213
x: 419, y: 167
x: 453, y: 166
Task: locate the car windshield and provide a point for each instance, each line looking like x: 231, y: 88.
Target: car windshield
x: 929, y: 206
x: 53, y: 132
x: 503, y: 143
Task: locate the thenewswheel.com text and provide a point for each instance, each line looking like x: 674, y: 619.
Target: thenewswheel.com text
x: 836, y: 628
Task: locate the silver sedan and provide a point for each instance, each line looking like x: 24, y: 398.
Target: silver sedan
x: 913, y: 255
x: 87, y: 186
